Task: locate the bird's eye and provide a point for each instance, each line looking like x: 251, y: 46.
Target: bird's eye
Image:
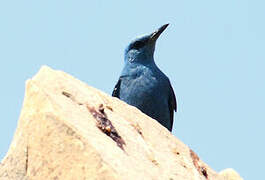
x: 138, y: 45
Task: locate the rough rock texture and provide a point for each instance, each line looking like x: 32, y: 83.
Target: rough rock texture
x: 68, y: 130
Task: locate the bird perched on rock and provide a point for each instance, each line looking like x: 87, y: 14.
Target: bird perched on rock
x: 143, y: 85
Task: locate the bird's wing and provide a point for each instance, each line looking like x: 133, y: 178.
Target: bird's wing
x: 116, y: 90
x: 172, y: 104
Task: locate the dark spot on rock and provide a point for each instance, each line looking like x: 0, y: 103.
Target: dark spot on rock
x: 27, y: 159
x: 105, y: 125
x: 204, y: 172
x: 101, y: 109
x: 138, y: 129
x: 70, y: 132
x: 195, y: 158
x: 155, y: 162
x: 67, y: 94
x: 71, y: 97
x: 110, y: 108
x: 140, y: 132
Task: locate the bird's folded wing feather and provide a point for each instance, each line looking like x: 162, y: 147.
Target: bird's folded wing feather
x: 116, y: 90
x: 172, y: 104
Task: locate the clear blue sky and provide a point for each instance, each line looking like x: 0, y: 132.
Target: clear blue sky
x: 213, y: 52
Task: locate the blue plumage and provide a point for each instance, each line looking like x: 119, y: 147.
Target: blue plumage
x: 143, y: 85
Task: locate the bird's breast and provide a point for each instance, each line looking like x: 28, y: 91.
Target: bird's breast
x: 140, y: 89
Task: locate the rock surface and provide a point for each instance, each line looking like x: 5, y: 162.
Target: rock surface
x: 230, y: 174
x: 68, y: 130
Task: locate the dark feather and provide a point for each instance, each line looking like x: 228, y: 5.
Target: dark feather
x: 116, y: 91
x: 172, y: 106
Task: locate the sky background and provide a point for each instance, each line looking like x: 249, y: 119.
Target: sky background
x: 213, y: 52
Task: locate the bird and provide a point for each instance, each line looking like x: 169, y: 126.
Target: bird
x: 142, y: 84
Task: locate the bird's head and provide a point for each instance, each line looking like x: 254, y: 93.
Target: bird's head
x: 142, y: 48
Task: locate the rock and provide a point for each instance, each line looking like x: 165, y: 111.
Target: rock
x: 230, y: 174
x: 68, y: 130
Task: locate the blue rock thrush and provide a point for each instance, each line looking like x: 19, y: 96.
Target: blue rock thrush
x: 143, y: 85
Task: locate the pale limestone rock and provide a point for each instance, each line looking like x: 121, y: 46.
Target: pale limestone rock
x: 68, y: 130
x: 230, y: 174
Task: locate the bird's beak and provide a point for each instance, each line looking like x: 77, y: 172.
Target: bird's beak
x: 156, y: 34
